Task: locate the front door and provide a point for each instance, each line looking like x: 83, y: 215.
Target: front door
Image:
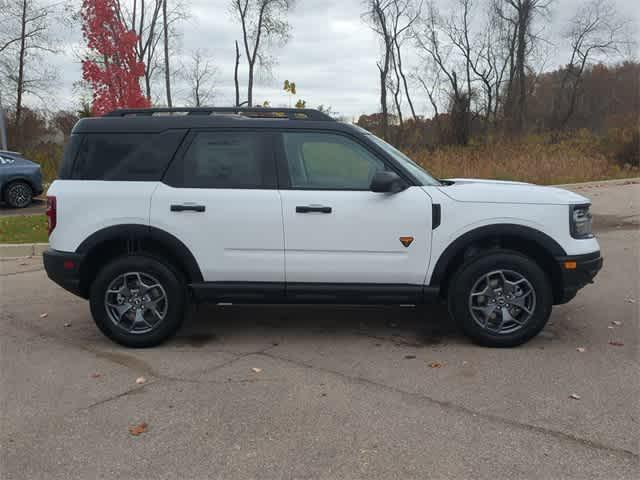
x: 219, y: 198
x: 339, y: 232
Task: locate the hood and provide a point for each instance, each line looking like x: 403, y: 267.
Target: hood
x: 497, y: 191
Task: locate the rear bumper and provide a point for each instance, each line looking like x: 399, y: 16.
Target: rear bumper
x: 577, y: 272
x: 64, y: 269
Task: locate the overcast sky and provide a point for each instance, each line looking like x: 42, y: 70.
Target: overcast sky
x: 331, y: 54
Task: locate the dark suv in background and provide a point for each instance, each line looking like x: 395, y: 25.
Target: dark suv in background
x: 20, y: 179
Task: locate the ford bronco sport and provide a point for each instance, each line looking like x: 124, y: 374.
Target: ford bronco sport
x: 155, y: 208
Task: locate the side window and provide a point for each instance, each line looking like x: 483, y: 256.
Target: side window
x: 224, y: 160
x: 329, y: 162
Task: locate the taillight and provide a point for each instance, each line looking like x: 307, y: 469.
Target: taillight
x: 51, y: 213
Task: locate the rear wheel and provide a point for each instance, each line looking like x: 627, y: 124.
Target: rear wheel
x: 138, y: 301
x: 501, y: 299
x: 18, y: 194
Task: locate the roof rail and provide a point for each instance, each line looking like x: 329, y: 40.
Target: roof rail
x: 257, y: 112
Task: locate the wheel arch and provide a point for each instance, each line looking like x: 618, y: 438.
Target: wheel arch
x: 129, y: 239
x: 528, y: 241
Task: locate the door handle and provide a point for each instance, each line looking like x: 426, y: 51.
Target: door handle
x: 187, y: 207
x: 312, y: 209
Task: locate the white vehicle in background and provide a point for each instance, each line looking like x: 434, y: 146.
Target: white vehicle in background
x: 155, y: 208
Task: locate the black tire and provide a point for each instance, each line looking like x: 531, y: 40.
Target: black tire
x: 474, y: 273
x: 172, y: 285
x: 18, y: 194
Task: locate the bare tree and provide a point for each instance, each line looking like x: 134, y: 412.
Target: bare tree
x: 25, y: 38
x: 263, y: 22
x: 430, y: 81
x: 485, y: 49
x: 521, y: 14
x: 200, y: 75
x: 143, y: 16
x: 428, y: 37
x: 595, y: 32
x: 154, y: 23
x: 390, y: 20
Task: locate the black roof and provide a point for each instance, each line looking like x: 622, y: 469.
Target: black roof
x: 160, y: 119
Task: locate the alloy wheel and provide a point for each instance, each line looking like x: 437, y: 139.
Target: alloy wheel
x: 19, y: 195
x: 502, y: 301
x: 136, y: 302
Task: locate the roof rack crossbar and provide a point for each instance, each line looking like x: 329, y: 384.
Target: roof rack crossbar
x: 258, y: 112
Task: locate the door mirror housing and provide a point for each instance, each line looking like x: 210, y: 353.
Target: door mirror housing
x: 387, y: 182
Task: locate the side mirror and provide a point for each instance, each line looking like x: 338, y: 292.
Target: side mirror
x: 387, y: 182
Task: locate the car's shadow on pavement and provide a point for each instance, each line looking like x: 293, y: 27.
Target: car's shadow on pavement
x: 410, y: 326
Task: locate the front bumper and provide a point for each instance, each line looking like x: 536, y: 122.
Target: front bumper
x: 64, y: 269
x: 577, y: 271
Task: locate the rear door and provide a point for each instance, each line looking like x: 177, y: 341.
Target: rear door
x: 219, y: 198
x: 337, y: 231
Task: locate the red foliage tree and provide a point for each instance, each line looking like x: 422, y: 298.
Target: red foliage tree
x: 111, y: 67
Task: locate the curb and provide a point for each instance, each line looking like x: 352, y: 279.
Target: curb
x: 20, y: 250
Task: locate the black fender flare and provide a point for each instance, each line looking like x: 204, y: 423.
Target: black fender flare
x: 459, y: 245
x: 137, y: 232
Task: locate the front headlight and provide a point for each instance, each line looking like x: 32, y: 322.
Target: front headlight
x: 580, y: 221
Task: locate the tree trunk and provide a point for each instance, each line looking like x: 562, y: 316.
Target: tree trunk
x: 23, y: 45
x: 383, y: 103
x: 147, y: 82
x: 250, y: 86
x: 235, y: 75
x: 523, y: 26
x: 167, y: 72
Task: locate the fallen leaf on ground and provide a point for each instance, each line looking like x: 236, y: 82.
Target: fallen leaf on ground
x: 256, y: 370
x: 136, y: 430
x: 409, y: 357
x: 44, y: 315
x: 24, y: 263
x: 96, y: 375
x: 574, y: 396
x: 581, y: 349
x: 67, y: 324
x: 630, y: 300
x: 141, y: 380
x: 617, y: 322
x: 616, y: 343
x: 435, y: 364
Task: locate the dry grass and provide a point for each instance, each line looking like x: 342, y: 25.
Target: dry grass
x: 536, y: 161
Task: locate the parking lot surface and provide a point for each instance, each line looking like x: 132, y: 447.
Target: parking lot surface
x: 327, y: 393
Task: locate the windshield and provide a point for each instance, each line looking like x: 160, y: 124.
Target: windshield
x: 416, y: 170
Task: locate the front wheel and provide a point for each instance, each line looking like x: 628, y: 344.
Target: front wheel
x: 138, y: 301
x: 501, y: 299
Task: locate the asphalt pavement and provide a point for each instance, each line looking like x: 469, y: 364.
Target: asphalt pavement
x: 327, y: 393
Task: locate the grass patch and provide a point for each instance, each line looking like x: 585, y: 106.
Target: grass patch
x: 23, y: 229
x: 571, y: 161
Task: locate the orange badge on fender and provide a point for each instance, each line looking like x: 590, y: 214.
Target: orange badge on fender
x: 406, y: 241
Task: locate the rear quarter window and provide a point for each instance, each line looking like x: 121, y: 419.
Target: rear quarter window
x: 124, y: 156
x: 225, y: 160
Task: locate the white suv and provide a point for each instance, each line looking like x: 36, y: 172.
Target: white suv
x: 154, y: 208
